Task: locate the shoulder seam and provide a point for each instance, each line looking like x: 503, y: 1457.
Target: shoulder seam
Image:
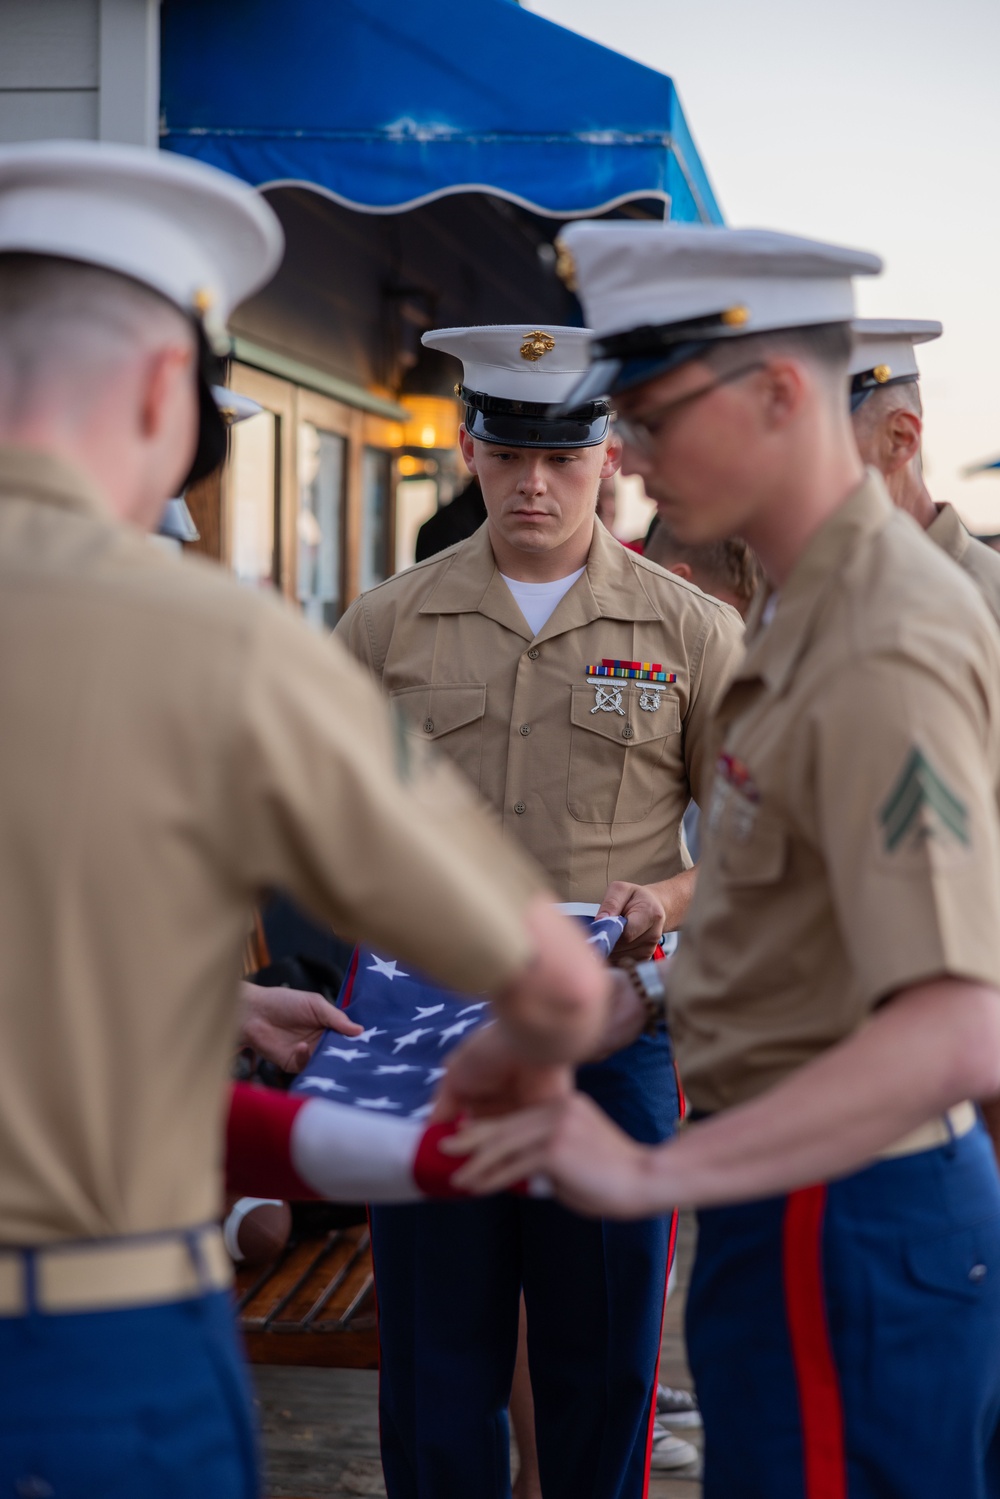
x: 378, y: 666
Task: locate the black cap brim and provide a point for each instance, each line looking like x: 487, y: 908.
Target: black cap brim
x: 864, y: 384
x: 515, y: 431
x: 210, y: 451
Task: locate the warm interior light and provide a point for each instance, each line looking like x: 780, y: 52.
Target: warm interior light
x: 410, y: 466
x: 433, y: 422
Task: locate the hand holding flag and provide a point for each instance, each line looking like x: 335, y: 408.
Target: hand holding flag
x: 357, y: 1126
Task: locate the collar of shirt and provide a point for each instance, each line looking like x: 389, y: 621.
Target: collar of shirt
x: 609, y: 589
x: 28, y: 474
x: 773, y: 651
x: 949, y: 533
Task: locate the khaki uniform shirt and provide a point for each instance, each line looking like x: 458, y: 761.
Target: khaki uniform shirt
x: 981, y: 562
x: 173, y: 744
x: 595, y: 793
x: 852, y: 844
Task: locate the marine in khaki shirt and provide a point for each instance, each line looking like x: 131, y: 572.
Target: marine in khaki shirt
x: 835, y: 1000
x: 887, y: 416
x: 852, y: 842
x: 594, y: 793
x: 174, y: 745
x: 171, y: 746
x: 591, y: 774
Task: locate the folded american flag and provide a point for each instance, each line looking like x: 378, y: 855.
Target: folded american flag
x: 353, y: 1128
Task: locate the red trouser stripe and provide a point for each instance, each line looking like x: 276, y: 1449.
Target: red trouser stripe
x: 820, y: 1410
x: 682, y: 1110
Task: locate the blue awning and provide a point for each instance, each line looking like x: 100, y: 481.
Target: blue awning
x: 388, y: 104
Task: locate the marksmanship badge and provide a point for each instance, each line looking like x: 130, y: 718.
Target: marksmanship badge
x: 608, y: 699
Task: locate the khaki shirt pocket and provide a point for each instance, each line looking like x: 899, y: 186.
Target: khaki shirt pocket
x: 615, y: 759
x: 756, y: 855
x: 449, y: 715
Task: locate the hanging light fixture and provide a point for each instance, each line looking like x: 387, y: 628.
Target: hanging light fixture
x: 433, y: 422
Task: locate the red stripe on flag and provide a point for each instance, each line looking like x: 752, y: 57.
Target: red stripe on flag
x: 820, y: 1409
x: 432, y: 1169
x: 258, y: 1144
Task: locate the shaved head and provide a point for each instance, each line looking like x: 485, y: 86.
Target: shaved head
x: 99, y: 371
x: 66, y: 326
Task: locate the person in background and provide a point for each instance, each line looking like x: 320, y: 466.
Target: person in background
x: 607, y: 502
x: 452, y: 523
x: 728, y: 570
x: 887, y: 416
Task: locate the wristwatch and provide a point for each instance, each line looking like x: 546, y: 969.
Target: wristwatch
x: 648, y: 981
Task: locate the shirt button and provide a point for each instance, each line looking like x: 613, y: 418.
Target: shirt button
x: 534, y: 653
x: 428, y: 725
x: 628, y: 731
x: 525, y: 730
x: 519, y: 808
x: 977, y: 1273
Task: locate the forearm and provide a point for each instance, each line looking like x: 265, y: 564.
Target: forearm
x: 249, y: 995
x: 838, y: 1112
x: 676, y: 894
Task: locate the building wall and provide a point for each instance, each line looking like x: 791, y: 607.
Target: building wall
x: 79, y: 70
x: 355, y: 290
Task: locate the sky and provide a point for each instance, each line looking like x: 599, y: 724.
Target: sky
x: 872, y: 124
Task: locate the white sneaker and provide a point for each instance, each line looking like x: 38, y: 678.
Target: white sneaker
x: 676, y: 1408
x: 670, y: 1452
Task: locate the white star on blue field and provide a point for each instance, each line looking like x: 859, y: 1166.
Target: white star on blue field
x: 410, y: 1026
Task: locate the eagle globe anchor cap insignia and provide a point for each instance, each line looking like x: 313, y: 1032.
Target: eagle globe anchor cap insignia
x: 536, y: 345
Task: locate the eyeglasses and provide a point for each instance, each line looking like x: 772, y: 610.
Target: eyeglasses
x: 641, y: 432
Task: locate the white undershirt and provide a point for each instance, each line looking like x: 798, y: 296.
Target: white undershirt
x: 537, y: 601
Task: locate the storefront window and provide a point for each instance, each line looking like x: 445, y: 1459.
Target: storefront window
x: 376, y: 468
x: 253, y: 490
x: 320, y: 518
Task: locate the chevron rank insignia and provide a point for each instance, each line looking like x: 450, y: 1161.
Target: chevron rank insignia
x: 919, y: 786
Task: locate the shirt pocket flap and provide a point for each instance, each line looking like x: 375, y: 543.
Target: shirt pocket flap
x: 441, y: 708
x: 645, y: 727
x: 758, y: 858
x: 962, y: 1263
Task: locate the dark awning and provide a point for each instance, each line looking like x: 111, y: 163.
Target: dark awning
x: 388, y: 104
